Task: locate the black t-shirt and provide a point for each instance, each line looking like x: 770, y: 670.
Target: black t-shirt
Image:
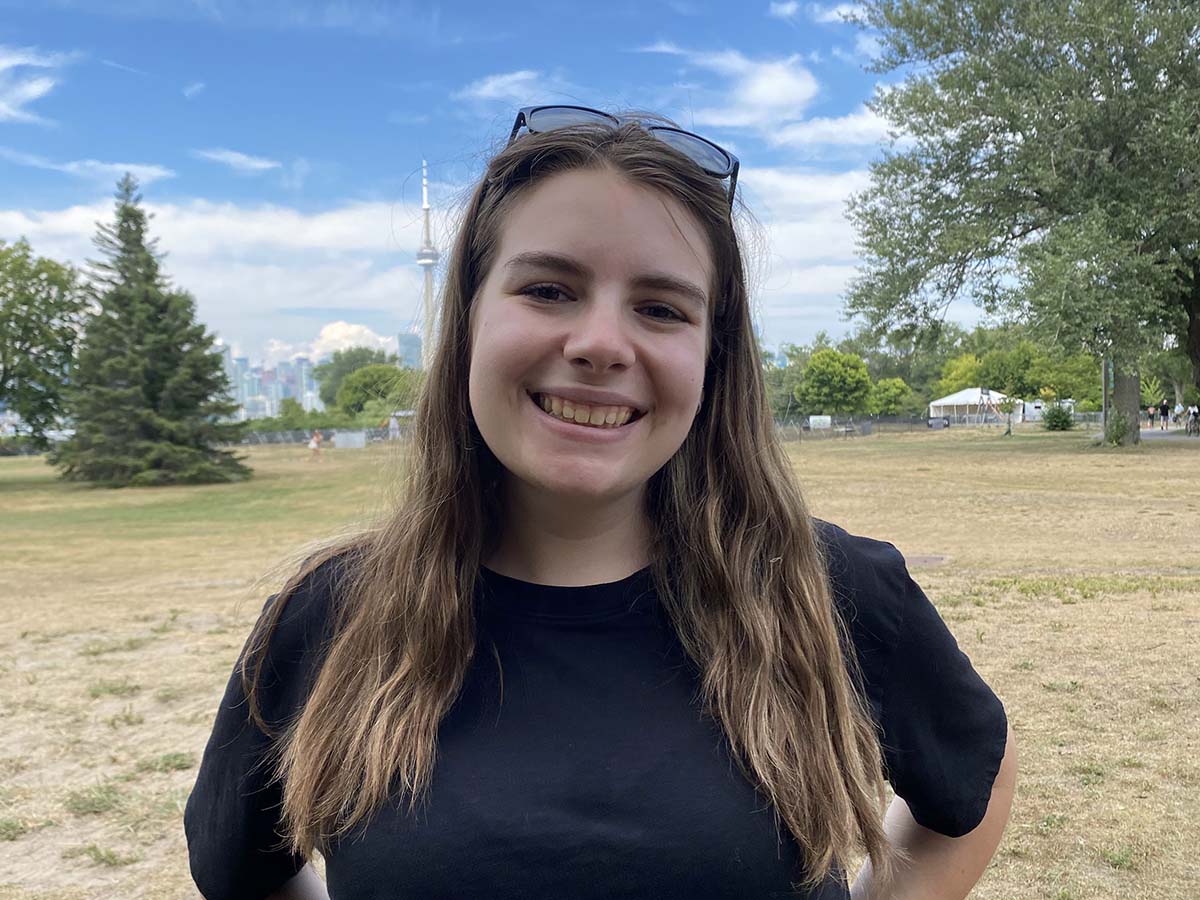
x: 598, y: 776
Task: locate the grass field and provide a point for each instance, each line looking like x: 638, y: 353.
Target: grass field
x: 1069, y: 574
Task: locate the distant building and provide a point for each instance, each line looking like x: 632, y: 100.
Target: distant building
x: 410, y: 350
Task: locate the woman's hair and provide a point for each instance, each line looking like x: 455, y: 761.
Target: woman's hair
x: 735, y: 559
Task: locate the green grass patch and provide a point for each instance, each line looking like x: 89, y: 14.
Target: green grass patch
x: 122, y: 688
x: 101, y: 856
x: 90, y: 801
x: 125, y: 718
x: 168, y: 762
x: 1051, y: 823
x: 1121, y: 858
x: 1088, y: 773
x: 1061, y: 687
x: 100, y: 648
x: 11, y: 829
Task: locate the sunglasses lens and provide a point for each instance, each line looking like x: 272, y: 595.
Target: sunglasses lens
x: 704, y: 154
x: 550, y: 117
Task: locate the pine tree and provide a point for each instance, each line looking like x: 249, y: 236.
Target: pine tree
x: 147, y: 392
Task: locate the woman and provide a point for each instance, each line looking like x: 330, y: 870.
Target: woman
x: 601, y: 650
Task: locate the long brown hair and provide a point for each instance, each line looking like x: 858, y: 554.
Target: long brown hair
x: 735, y: 559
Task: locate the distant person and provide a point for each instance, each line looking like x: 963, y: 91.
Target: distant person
x: 393, y: 427
x: 1164, y: 414
x: 314, y: 444
x: 598, y: 647
x: 1193, y: 419
x: 1151, y: 410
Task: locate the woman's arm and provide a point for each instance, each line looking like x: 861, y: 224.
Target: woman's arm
x: 940, y: 867
x: 306, y: 885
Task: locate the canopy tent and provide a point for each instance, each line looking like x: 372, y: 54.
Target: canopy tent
x: 971, y: 405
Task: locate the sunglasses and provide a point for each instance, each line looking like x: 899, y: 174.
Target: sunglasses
x: 708, y: 156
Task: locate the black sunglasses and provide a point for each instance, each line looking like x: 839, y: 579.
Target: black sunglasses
x: 708, y: 156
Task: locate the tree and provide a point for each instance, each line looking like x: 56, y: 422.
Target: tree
x: 1011, y: 371
x: 834, y: 382
x: 958, y: 373
x: 330, y: 374
x: 148, y: 391
x: 398, y: 387
x: 1049, y: 171
x: 892, y: 397
x: 41, y: 315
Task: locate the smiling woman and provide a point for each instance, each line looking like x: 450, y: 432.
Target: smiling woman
x: 602, y: 644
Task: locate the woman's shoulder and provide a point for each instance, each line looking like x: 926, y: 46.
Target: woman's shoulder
x: 870, y: 584
x: 304, y: 615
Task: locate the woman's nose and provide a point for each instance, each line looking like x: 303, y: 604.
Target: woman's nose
x: 599, y: 337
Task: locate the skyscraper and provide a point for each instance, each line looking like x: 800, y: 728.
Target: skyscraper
x: 409, y: 350
x: 427, y: 258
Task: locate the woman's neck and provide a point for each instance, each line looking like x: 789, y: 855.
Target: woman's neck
x: 548, y: 539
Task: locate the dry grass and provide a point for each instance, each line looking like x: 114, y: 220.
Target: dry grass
x: 1068, y: 573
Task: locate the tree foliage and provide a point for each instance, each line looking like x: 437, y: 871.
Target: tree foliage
x: 148, y: 391
x: 330, y: 374
x: 1049, y: 170
x: 42, y: 307
x: 392, y: 386
x: 834, y: 382
x: 892, y: 397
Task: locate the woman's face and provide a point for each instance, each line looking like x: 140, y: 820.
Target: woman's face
x: 597, y: 306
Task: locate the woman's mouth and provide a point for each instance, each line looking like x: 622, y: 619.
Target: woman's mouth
x: 586, y: 415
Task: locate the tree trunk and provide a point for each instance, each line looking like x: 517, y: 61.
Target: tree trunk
x: 1127, y: 402
x: 1191, y: 303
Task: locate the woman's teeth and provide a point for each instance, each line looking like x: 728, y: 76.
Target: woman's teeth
x: 581, y: 414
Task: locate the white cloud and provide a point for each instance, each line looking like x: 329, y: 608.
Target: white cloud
x: 269, y: 273
x: 834, y: 14
x: 761, y: 93
x: 239, y: 162
x: 18, y: 89
x: 193, y: 89
x: 518, y: 86
x: 783, y: 10
x: 662, y: 47
x: 867, y: 46
x: 92, y: 169
x: 124, y: 68
x: 862, y: 127
x: 294, y: 177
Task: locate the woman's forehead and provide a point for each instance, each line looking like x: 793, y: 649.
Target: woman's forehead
x: 609, y: 224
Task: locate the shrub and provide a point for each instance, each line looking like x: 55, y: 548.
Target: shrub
x: 1058, y: 418
x: 1117, y: 428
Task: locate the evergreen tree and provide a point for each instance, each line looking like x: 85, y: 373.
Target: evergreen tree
x: 147, y: 391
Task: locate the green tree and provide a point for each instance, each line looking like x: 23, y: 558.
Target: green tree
x: 330, y: 374
x: 958, y: 373
x: 1049, y: 171
x: 148, y: 392
x: 834, y: 382
x: 892, y: 397
x: 393, y: 387
x: 1011, y: 371
x: 41, y: 315
x: 1074, y: 376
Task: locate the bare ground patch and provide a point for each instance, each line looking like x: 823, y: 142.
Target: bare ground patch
x: 1058, y: 567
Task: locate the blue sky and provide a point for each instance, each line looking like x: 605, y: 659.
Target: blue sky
x: 280, y: 143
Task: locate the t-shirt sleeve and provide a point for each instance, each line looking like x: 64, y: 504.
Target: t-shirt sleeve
x: 942, y: 730
x: 232, y: 819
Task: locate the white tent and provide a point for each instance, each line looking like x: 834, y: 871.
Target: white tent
x: 975, y: 405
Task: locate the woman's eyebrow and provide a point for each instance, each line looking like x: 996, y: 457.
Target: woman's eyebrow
x: 557, y: 262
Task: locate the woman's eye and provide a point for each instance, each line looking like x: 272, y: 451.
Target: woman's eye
x: 539, y: 291
x: 664, y: 312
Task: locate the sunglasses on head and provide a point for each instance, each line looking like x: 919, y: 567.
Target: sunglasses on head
x: 708, y: 156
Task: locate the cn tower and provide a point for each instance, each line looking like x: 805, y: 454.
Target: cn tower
x: 427, y: 258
